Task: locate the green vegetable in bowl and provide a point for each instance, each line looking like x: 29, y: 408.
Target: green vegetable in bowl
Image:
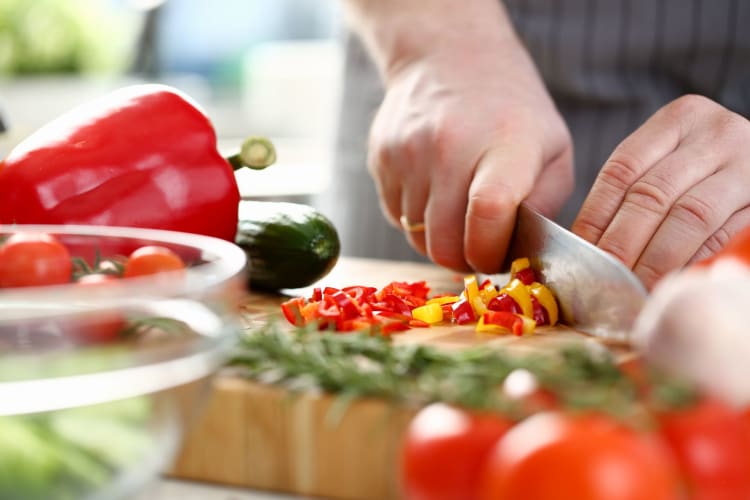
x: 71, y: 453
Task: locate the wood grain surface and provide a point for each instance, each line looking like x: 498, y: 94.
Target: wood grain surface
x: 262, y: 437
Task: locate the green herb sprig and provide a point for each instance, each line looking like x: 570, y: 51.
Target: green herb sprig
x: 358, y: 364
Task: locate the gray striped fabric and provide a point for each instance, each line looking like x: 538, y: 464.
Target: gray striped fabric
x: 609, y: 64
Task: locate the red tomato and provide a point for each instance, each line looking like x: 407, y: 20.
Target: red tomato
x: 444, y: 449
x: 100, y: 326
x: 557, y: 456
x: 152, y: 259
x: 96, y: 327
x: 34, y: 259
x: 712, y: 449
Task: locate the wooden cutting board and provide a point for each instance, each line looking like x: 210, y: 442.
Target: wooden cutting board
x: 262, y: 437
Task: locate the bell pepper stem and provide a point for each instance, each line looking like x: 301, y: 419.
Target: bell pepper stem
x: 256, y: 153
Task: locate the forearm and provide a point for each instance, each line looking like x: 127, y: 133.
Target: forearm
x: 397, y: 32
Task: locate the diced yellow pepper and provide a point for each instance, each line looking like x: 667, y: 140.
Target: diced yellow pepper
x: 546, y: 299
x: 448, y: 299
x: 488, y: 292
x: 471, y: 288
x: 518, y: 292
x: 519, y: 264
x: 528, y: 325
x: 489, y: 328
x: 429, y: 313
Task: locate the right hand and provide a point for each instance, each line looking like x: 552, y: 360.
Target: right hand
x: 463, y: 135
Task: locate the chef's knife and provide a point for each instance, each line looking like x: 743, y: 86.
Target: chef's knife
x: 596, y: 292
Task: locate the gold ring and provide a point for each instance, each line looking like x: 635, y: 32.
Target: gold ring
x: 415, y: 227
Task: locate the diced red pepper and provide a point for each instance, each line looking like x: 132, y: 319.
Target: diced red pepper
x: 504, y: 302
x: 390, y: 327
x: 447, y: 311
x: 487, y: 282
x: 292, y: 310
x: 359, y: 293
x: 540, y: 313
x: 512, y: 322
x: 418, y: 323
x: 526, y: 276
x: 328, y: 309
x: 347, y: 307
x: 463, y: 313
x: 394, y: 315
x: 393, y: 303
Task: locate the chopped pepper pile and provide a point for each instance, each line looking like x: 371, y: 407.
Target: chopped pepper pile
x: 517, y: 308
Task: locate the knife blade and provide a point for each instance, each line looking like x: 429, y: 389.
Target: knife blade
x: 597, y: 293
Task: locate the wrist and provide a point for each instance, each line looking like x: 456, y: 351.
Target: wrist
x: 399, y: 33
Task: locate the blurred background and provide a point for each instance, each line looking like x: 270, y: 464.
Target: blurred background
x: 265, y: 67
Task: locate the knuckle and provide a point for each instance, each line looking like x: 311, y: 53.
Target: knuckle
x: 649, y: 273
x: 621, y: 170
x: 650, y: 196
x: 717, y: 241
x: 588, y: 227
x: 378, y: 159
x: 731, y: 125
x: 446, y: 142
x: 491, y: 201
x: 689, y: 102
x: 687, y: 105
x: 446, y: 251
x: 695, y: 213
x: 616, y: 249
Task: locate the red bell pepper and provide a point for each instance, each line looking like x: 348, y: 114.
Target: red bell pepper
x: 463, y: 313
x: 504, y: 302
x: 540, y: 313
x: 508, y: 320
x: 382, y: 312
x: 142, y: 156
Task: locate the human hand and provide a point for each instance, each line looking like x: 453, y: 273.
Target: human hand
x: 673, y: 192
x: 461, y: 138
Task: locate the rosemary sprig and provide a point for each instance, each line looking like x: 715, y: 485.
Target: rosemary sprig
x: 358, y: 364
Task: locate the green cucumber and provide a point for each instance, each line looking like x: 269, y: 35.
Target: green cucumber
x: 288, y: 245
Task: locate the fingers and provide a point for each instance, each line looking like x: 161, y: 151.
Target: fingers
x: 503, y: 177
x: 414, y: 196
x: 554, y: 185
x: 737, y: 222
x: 650, y: 199
x: 692, y: 221
x: 445, y: 214
x: 674, y: 191
x: 658, y: 137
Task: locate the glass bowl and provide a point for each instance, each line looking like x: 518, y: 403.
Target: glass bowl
x: 97, y: 382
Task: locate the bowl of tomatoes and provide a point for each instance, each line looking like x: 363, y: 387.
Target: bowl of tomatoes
x: 108, y: 337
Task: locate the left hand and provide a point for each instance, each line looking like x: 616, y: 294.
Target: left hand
x: 673, y: 192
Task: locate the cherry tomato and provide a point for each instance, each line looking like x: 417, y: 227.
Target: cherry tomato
x: 558, y: 456
x: 712, y: 449
x: 99, y: 326
x: 444, y: 449
x: 104, y: 326
x: 34, y: 259
x: 152, y: 259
